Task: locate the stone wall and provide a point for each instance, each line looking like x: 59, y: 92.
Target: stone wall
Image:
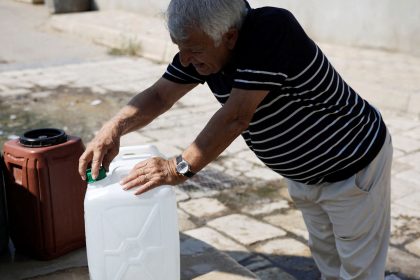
x: 386, y: 24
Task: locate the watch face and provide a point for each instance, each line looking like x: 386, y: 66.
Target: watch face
x: 182, y: 167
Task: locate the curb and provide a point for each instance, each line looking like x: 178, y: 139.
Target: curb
x: 146, y: 34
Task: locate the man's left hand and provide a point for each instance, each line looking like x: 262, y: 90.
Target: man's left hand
x: 152, y: 173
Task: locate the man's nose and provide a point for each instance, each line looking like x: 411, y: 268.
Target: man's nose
x: 185, y: 58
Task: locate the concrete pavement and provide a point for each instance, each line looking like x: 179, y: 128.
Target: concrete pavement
x: 236, y: 210
x: 393, y: 86
x: 27, y: 40
x: 236, y: 188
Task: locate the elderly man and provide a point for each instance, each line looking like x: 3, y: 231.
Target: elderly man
x: 295, y: 112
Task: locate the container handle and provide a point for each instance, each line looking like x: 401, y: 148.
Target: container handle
x: 16, y: 167
x: 141, y: 152
x: 133, y: 152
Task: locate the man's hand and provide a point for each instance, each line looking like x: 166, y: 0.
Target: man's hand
x: 140, y: 111
x: 101, y: 150
x: 152, y: 173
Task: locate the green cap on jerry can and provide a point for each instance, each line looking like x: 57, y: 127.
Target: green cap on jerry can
x: 101, y: 175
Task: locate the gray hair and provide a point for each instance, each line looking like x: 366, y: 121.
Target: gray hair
x: 213, y: 17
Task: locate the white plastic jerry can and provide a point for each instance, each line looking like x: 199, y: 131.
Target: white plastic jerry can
x: 127, y: 236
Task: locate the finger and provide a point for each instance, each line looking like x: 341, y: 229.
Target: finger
x: 96, y: 163
x: 138, y: 181
x: 135, y: 178
x: 106, y: 161
x: 137, y: 171
x: 146, y: 187
x: 141, y: 164
x: 133, y: 175
x: 83, y: 163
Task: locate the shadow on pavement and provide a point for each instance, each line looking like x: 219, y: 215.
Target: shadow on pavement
x: 197, y: 259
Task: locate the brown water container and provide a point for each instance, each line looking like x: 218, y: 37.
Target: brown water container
x: 45, y: 194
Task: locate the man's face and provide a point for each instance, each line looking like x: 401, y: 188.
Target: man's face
x: 200, y: 51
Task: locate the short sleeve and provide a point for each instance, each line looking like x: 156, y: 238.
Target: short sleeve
x: 265, y: 51
x: 177, y: 73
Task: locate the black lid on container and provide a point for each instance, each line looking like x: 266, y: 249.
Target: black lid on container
x: 43, y: 137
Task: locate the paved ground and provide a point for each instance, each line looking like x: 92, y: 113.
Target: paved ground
x: 237, y: 209
x: 26, y: 40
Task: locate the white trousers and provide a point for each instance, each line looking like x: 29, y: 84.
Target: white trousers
x: 349, y: 221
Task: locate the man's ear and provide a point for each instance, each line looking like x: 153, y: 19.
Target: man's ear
x: 230, y: 37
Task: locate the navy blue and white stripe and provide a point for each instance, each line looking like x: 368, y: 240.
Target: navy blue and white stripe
x: 312, y: 127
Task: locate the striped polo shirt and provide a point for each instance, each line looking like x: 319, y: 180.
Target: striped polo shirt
x: 312, y: 127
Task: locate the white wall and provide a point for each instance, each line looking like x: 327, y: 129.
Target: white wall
x: 387, y: 24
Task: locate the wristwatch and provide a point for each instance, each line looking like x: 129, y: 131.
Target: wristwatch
x: 183, y: 167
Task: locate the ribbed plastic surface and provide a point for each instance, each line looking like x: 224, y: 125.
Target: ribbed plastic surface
x: 45, y: 197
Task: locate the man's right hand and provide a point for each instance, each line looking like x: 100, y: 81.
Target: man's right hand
x: 101, y: 150
x: 140, y: 111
